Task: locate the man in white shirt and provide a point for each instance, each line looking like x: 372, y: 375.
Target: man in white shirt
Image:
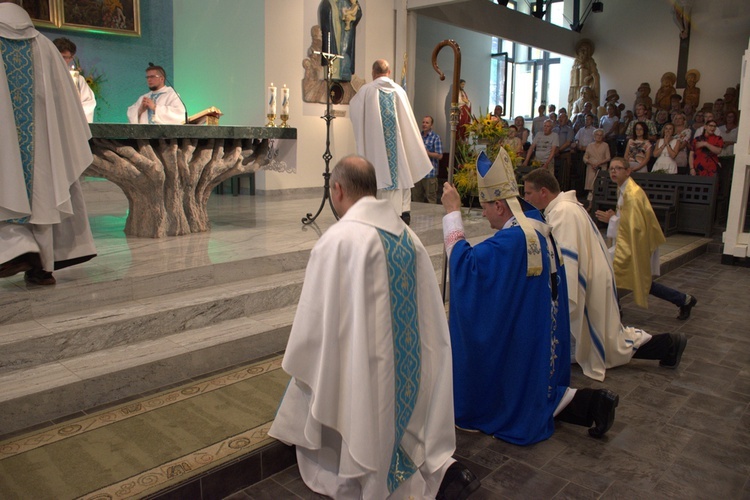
x: 68, y: 51
x: 161, y: 105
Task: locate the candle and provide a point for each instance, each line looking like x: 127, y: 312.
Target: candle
x: 271, y: 100
x: 285, y: 100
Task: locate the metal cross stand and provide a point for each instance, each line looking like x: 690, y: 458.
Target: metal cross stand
x: 331, y: 89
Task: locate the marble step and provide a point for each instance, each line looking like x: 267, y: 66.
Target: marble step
x: 19, y: 303
x: 52, y: 338
x: 43, y: 393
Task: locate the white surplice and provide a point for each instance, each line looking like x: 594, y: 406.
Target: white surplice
x: 413, y: 162
x: 58, y: 226
x: 169, y: 108
x: 88, y: 99
x: 339, y: 406
x: 601, y: 341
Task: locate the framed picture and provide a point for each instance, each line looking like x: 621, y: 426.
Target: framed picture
x: 42, y: 12
x: 120, y: 17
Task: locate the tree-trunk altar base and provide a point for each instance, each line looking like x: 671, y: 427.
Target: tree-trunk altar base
x: 168, y: 180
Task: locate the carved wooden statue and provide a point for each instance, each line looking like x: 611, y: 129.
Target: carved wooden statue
x: 666, y: 91
x: 692, y: 94
x: 584, y: 72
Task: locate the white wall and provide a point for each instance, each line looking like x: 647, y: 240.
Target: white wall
x: 432, y: 96
x: 638, y: 41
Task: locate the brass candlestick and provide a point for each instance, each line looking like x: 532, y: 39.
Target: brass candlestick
x: 271, y: 120
x: 284, y: 119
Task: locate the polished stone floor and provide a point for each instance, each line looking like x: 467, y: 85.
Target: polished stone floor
x: 681, y: 433
x: 678, y: 434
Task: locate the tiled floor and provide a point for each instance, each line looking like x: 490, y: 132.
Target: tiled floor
x: 681, y: 433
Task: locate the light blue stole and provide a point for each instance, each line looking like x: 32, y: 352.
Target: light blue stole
x: 19, y: 68
x: 401, y: 260
x: 388, y: 119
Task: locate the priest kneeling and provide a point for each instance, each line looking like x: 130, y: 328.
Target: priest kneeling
x: 370, y: 403
x: 509, y: 324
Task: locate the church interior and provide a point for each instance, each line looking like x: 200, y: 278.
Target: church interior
x: 154, y: 370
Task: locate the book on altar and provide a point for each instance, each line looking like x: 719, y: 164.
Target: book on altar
x: 209, y: 116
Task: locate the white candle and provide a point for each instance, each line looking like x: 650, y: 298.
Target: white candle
x: 285, y: 100
x: 271, y: 100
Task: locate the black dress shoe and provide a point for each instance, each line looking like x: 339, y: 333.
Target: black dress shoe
x: 406, y: 217
x: 458, y: 483
x: 603, y: 405
x: 685, y: 310
x: 39, y: 277
x: 679, y: 342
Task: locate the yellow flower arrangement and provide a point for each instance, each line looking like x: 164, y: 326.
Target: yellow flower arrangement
x: 484, y: 133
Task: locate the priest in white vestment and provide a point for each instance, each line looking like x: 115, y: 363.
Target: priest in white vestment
x: 386, y: 133
x: 44, y: 144
x: 68, y: 51
x: 160, y: 105
x: 600, y: 341
x: 370, y: 403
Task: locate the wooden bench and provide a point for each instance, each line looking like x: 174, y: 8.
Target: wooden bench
x: 664, y: 201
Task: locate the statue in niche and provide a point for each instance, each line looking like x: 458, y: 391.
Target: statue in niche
x: 338, y: 22
x: 643, y: 96
x: 666, y: 91
x: 314, y: 83
x: 584, y: 73
x: 587, y: 95
x: 692, y: 94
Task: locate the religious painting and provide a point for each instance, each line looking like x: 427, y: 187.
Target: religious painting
x: 120, y: 17
x: 42, y: 12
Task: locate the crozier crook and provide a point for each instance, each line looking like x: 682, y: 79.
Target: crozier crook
x: 454, y: 120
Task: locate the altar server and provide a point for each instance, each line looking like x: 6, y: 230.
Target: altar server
x: 161, y: 105
x: 370, y: 402
x: 44, y: 143
x: 387, y: 133
x: 68, y: 51
x: 600, y: 341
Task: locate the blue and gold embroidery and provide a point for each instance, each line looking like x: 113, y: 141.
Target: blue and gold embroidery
x: 388, y: 119
x: 402, y: 276
x: 19, y: 69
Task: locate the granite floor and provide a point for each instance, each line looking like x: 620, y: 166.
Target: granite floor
x: 681, y: 433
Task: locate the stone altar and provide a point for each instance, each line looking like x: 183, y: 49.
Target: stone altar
x: 167, y: 172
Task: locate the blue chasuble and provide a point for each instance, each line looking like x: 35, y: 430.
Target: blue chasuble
x: 19, y: 68
x: 510, y: 338
x: 401, y: 260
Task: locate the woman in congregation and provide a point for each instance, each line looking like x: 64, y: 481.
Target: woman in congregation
x: 666, y: 150
x: 704, y: 151
x: 661, y: 119
x: 522, y: 132
x: 610, y: 124
x: 638, y: 150
x: 698, y: 121
x: 684, y: 134
x: 596, y: 157
x: 513, y: 141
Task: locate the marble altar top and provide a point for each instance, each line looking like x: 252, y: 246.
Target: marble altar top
x: 140, y: 131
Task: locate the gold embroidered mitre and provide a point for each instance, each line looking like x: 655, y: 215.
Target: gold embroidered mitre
x: 498, y: 182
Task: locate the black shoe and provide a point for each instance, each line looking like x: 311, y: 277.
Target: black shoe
x: 685, y: 310
x: 39, y: 277
x: 406, y: 217
x: 603, y: 406
x: 458, y: 483
x: 679, y: 341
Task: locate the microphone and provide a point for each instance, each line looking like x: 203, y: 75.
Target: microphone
x: 150, y: 64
